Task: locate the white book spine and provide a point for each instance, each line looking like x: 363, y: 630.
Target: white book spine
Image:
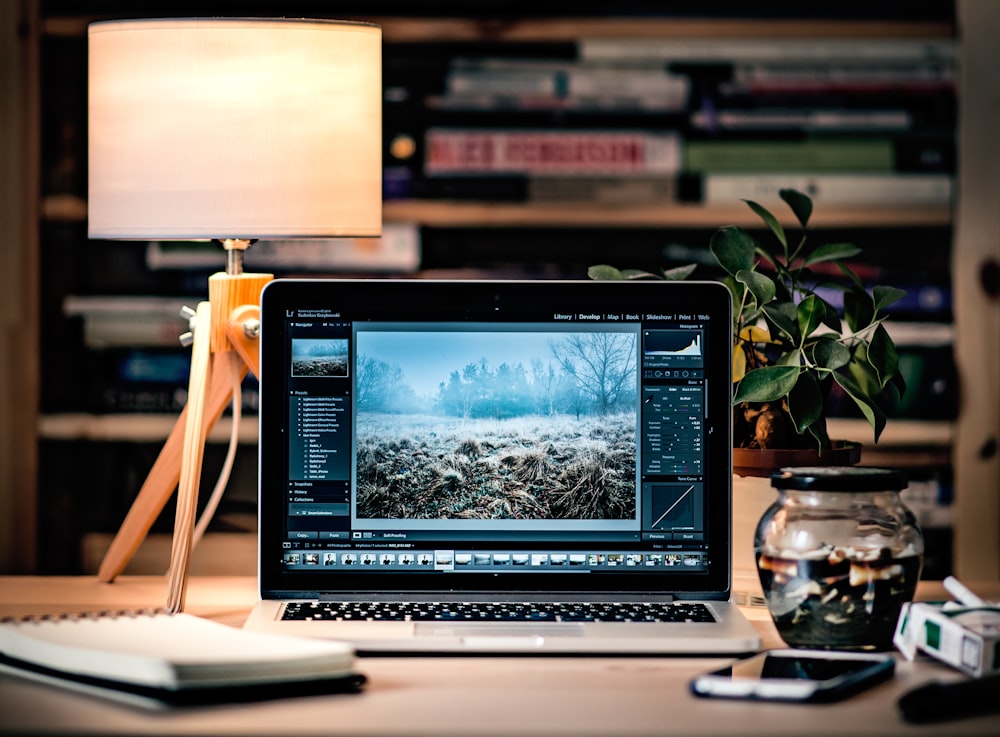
x: 708, y: 49
x: 838, y: 189
x: 541, y: 152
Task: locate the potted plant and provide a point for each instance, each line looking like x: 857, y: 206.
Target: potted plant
x: 791, y: 347
x: 790, y: 344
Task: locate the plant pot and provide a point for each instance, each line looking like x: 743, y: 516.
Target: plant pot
x: 753, y: 495
x: 764, y: 462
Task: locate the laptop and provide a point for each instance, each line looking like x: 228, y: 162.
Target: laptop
x: 497, y: 466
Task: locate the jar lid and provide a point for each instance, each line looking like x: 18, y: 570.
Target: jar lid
x: 839, y: 478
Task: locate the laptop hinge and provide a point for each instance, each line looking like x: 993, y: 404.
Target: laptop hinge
x: 488, y: 596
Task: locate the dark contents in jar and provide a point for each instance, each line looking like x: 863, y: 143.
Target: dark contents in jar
x: 843, y: 600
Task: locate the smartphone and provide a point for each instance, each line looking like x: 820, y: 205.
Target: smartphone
x: 796, y: 675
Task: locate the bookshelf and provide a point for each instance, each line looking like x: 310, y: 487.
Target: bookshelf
x: 454, y: 222
x: 452, y: 214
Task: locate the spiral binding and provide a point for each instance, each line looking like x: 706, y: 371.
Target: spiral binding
x: 76, y: 616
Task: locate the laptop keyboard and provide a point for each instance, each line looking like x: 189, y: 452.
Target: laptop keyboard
x: 509, y: 612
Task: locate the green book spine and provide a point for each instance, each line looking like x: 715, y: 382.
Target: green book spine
x: 814, y: 156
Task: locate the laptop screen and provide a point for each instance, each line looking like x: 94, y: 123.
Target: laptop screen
x: 543, y: 435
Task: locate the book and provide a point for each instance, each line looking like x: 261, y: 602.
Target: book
x: 876, y: 154
x: 567, y: 78
x: 522, y: 102
x: 868, y: 50
x: 114, y: 321
x: 396, y: 250
x: 604, y: 190
x: 546, y: 152
x: 873, y: 189
x: 796, y: 75
x: 809, y: 119
x: 173, y: 657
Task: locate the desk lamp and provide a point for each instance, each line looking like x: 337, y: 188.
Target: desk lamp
x: 229, y: 130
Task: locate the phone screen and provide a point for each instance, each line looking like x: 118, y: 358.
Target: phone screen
x: 796, y: 675
x: 796, y: 667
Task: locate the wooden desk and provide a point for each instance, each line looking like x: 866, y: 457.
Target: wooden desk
x: 447, y: 695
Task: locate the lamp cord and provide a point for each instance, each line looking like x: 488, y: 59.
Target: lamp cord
x: 227, y: 466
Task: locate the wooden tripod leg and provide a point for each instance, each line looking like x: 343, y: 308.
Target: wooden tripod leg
x: 191, y: 456
x: 162, y: 480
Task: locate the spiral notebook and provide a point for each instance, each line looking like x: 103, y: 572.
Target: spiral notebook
x: 172, y: 658
x: 498, y: 466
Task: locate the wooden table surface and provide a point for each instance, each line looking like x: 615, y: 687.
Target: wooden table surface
x: 520, y: 696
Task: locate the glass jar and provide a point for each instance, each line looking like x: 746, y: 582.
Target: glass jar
x: 838, y: 554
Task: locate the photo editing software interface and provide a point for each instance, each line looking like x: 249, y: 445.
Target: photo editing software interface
x: 575, y: 443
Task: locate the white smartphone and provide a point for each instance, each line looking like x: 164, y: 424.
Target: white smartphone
x: 796, y: 675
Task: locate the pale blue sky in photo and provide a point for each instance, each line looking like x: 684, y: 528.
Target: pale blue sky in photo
x: 427, y: 359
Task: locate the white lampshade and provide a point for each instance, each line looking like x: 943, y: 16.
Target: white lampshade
x: 234, y: 128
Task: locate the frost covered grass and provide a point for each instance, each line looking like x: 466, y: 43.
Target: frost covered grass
x: 535, y: 467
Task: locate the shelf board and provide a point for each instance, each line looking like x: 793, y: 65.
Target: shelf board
x: 438, y: 30
x: 454, y: 214
x: 569, y: 29
x: 137, y: 428
x: 463, y: 214
x: 897, y: 434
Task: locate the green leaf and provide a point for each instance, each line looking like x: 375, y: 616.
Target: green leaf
x: 862, y: 372
x: 784, y: 316
x: 772, y: 223
x: 872, y: 412
x: 640, y: 275
x: 830, y: 353
x: 831, y: 252
x: 832, y: 317
x: 762, y: 287
x: 882, y: 356
x: 810, y: 314
x: 818, y: 431
x: 735, y: 289
x: 766, y: 384
x: 791, y: 358
x: 849, y: 273
x: 885, y: 296
x: 801, y: 205
x: 899, y: 382
x: 733, y: 248
x: 679, y: 273
x: 805, y: 403
x: 859, y: 310
x: 603, y: 272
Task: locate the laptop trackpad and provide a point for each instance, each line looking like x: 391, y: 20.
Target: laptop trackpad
x: 528, y: 630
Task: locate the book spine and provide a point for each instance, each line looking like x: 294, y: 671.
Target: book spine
x: 812, y: 77
x: 397, y: 249
x: 580, y: 152
x: 564, y: 79
x: 820, y: 155
x: 128, y: 321
x: 839, y: 189
x: 156, y: 399
x: 606, y: 102
x: 820, y: 50
x: 604, y: 190
x: 512, y: 81
x: 807, y: 119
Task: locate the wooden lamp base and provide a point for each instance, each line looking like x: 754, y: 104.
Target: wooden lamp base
x: 225, y: 348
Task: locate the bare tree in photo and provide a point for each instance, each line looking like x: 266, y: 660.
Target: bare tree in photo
x: 379, y: 386
x: 603, y: 364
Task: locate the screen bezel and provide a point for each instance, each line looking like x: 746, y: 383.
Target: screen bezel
x: 477, y: 301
